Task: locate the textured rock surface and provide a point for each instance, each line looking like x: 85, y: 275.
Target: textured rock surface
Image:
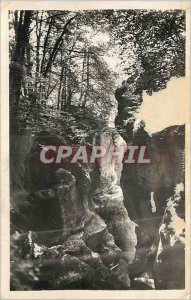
x: 86, y: 216
x: 146, y: 191
x: 68, y: 243
x: 108, y: 199
x: 171, y: 247
x: 19, y: 148
x: 129, y: 98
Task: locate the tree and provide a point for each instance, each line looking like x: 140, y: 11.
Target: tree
x: 57, y: 44
x: 17, y: 64
x: 152, y: 50
x: 54, y: 61
x: 157, y: 39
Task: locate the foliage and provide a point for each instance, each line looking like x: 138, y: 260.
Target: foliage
x: 61, y: 66
x: 58, y: 58
x: 157, y: 40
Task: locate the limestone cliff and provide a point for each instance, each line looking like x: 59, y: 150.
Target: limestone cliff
x: 76, y: 232
x: 147, y: 190
x: 103, y: 226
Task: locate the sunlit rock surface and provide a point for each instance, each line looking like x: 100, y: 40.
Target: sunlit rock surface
x: 169, y: 265
x: 108, y: 199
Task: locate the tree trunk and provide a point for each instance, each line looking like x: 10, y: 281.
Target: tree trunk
x: 69, y: 98
x: 82, y: 82
x: 64, y: 90
x: 46, y: 43
x: 38, y: 40
x: 87, y: 81
x: 60, y: 86
x: 17, y: 64
x: 56, y: 46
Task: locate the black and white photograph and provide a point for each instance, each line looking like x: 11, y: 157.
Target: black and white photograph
x: 98, y: 112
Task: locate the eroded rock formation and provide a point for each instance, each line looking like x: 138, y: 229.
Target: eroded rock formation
x: 76, y: 236
x: 108, y: 199
x: 106, y: 226
x: 171, y: 247
x: 147, y: 189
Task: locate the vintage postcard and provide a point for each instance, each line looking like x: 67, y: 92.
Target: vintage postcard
x: 95, y: 150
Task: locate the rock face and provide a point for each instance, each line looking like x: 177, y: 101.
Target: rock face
x: 149, y: 193
x: 108, y: 199
x: 19, y: 148
x: 70, y: 241
x: 129, y: 98
x: 146, y: 192
x: 171, y: 247
x: 106, y: 226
